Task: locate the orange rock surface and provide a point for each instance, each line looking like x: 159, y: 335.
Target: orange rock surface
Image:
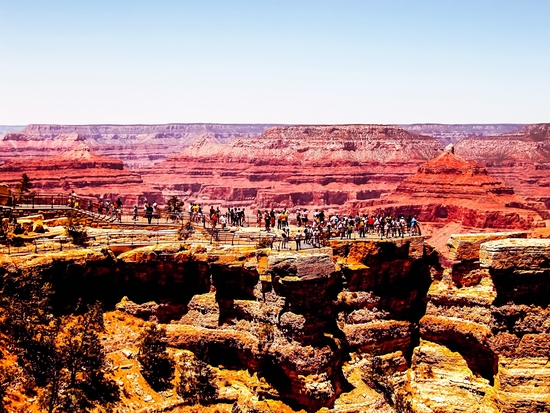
x: 361, y: 326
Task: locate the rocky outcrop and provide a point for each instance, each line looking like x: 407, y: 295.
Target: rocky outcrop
x: 323, y: 166
x: 370, y: 326
x: 82, y: 171
x: 293, y: 318
x: 490, y: 309
x: 449, y: 188
x: 135, y: 145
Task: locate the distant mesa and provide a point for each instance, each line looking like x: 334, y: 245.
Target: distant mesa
x: 529, y: 144
x: 452, y: 133
x: 521, y: 159
x: 135, y: 145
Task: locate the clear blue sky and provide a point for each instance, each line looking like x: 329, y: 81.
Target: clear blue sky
x: 260, y: 61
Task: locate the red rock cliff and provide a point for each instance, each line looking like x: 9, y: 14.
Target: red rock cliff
x: 82, y: 171
x: 449, y: 188
x: 295, y: 165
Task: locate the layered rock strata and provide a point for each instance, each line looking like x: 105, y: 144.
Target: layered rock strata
x: 449, y: 188
x: 490, y: 308
x: 447, y: 134
x: 521, y: 159
x: 360, y: 326
x: 295, y: 165
x: 82, y: 171
x: 292, y: 318
x: 135, y: 145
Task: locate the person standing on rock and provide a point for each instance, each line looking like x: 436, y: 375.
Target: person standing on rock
x: 298, y: 239
x: 267, y: 220
x: 149, y: 213
x: 284, y: 240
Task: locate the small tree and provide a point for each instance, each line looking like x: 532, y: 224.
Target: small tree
x: 197, y: 382
x: 174, y: 203
x: 77, y: 232
x: 29, y: 324
x: 24, y: 184
x: 157, y: 367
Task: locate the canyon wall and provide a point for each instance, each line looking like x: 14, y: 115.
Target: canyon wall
x: 344, y: 168
x: 290, y: 166
x: 135, y: 145
x: 365, y: 326
x: 450, y: 189
x: 82, y: 171
x: 452, y: 133
x: 520, y: 159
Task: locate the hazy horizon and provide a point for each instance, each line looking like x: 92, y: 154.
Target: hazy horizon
x: 289, y: 62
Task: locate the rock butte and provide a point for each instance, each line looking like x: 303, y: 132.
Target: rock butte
x: 369, y: 326
x: 449, y: 188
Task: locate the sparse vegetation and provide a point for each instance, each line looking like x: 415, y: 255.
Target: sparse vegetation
x: 77, y: 232
x: 186, y: 231
x: 174, y: 204
x: 6, y: 377
x: 61, y: 356
x: 77, y: 381
x: 266, y: 335
x: 196, y: 383
x: 265, y: 242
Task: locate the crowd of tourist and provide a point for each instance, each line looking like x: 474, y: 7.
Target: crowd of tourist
x: 319, y: 227
x: 311, y: 230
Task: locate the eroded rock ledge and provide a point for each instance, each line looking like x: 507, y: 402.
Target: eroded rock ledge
x: 369, y: 326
